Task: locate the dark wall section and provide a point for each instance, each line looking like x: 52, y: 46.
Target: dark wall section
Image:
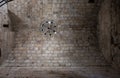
x: 115, y: 32
x: 109, y: 31
x: 104, y: 28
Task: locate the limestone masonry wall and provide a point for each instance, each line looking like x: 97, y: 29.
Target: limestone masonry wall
x: 6, y: 35
x: 73, y: 45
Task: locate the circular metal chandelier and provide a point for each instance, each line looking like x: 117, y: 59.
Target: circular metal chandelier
x: 48, y: 27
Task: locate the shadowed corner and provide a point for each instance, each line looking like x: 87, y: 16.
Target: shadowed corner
x: 15, y: 21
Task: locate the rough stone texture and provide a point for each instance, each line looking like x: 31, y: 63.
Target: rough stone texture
x: 83, y: 72
x: 6, y: 36
x: 115, y: 33
x: 3, y: 20
x: 3, y: 16
x: 104, y: 27
x: 109, y: 31
x: 71, y: 52
x: 74, y: 44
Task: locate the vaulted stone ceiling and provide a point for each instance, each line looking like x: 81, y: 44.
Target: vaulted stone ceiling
x: 81, y: 39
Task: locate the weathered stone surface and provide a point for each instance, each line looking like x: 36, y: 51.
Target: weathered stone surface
x: 6, y: 36
x: 87, y: 72
x: 109, y: 31
x: 73, y: 45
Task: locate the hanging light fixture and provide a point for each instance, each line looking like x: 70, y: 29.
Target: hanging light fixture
x: 48, y: 27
